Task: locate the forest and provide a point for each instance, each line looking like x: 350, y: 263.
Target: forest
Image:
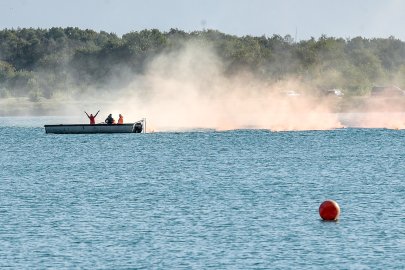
x: 41, y: 63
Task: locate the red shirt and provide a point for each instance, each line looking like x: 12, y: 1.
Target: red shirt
x: 92, y: 120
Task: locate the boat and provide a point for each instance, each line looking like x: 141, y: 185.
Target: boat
x: 137, y: 127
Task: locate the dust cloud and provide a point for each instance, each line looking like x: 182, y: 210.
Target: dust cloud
x: 382, y: 111
x: 189, y: 90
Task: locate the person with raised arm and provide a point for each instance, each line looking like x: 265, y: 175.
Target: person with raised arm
x: 92, y: 117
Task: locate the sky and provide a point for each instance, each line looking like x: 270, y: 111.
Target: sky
x: 302, y: 19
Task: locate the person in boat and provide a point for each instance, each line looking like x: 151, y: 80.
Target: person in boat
x: 121, y: 119
x: 92, y: 117
x: 110, y: 120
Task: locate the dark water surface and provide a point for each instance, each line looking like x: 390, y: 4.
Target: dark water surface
x: 244, y: 199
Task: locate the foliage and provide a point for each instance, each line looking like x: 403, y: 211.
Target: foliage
x: 38, y: 63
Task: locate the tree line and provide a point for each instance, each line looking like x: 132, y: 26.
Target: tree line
x: 40, y: 63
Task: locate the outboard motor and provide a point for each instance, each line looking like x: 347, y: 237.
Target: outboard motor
x: 138, y: 128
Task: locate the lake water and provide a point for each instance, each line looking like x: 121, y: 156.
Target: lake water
x: 244, y: 199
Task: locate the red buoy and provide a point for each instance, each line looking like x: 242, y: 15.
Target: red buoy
x: 329, y: 210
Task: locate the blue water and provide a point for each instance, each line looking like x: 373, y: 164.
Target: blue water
x: 245, y: 199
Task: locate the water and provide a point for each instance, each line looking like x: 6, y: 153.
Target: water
x: 244, y: 199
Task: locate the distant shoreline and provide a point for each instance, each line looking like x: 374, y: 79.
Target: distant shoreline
x: 49, y: 107
x: 46, y: 107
